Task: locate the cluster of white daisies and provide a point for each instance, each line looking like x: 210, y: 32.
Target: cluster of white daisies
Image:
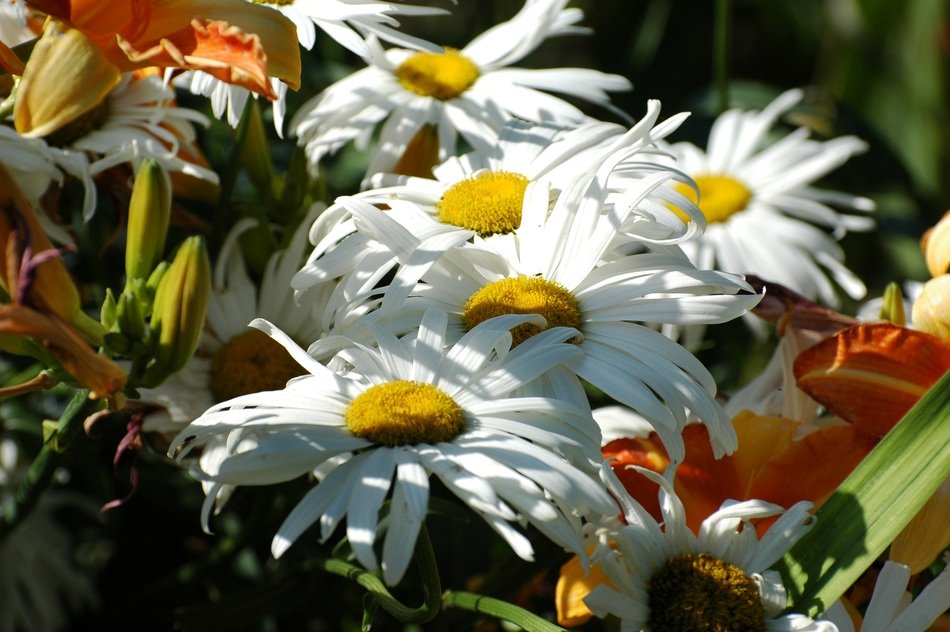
x: 446, y: 323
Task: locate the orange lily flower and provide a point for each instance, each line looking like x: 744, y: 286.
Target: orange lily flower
x: 871, y: 375
x: 46, y: 304
x: 236, y: 41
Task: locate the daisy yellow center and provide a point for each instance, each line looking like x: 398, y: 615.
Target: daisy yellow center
x: 404, y: 413
x: 701, y: 593
x: 489, y: 203
x: 441, y: 76
x: 523, y: 295
x: 87, y: 122
x: 249, y: 363
x: 719, y: 196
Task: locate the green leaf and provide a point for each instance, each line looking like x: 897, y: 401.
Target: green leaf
x: 871, y: 507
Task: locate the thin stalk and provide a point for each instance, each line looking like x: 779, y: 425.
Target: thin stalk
x: 424, y: 557
x: 498, y: 609
x: 41, y: 469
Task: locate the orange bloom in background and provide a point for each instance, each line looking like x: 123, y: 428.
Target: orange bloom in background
x: 236, y: 41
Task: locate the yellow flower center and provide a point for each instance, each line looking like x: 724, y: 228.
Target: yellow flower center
x: 404, y: 413
x: 719, y: 197
x: 441, y: 76
x: 489, y: 203
x: 523, y: 295
x: 701, y: 593
x: 249, y: 363
x: 85, y: 123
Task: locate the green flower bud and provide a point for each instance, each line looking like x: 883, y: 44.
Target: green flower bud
x: 178, y: 314
x: 107, y: 311
x: 130, y: 317
x: 255, y: 152
x: 149, y: 213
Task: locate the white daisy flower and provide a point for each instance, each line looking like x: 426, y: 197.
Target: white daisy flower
x: 761, y: 210
x: 468, y: 92
x: 29, y: 162
x: 407, y: 410
x: 560, y: 263
x: 346, y: 21
x: 667, y: 578
x: 40, y: 584
x: 137, y: 120
x: 481, y: 196
x: 892, y: 608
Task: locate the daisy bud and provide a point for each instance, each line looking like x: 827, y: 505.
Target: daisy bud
x: 936, y: 247
x: 149, y: 213
x: 178, y: 314
x: 932, y: 308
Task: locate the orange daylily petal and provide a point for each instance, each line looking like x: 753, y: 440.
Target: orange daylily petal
x: 927, y: 535
x: 870, y: 375
x: 760, y: 439
x: 67, y: 76
x: 648, y: 453
x: 703, y: 482
x: 9, y: 60
x: 812, y: 467
x: 572, y: 587
x: 52, y: 288
x: 93, y: 370
x: 221, y: 50
x: 146, y: 32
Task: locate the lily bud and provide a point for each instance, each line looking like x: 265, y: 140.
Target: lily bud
x: 129, y: 317
x: 932, y: 308
x: 936, y: 246
x: 149, y: 213
x: 178, y: 313
x: 255, y: 153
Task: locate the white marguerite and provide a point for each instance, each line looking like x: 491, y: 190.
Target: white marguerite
x: 468, y: 92
x: 763, y: 215
x: 346, y: 21
x: 406, y: 410
x: 892, y: 608
x: 665, y: 578
x: 480, y: 197
x: 561, y: 262
x: 14, y: 29
x: 137, y: 120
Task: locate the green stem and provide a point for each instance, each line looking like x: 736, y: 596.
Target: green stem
x: 42, y: 468
x: 498, y: 609
x: 721, y: 53
x: 424, y: 557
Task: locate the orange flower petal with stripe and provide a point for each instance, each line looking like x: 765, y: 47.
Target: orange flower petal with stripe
x: 871, y: 375
x: 217, y: 48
